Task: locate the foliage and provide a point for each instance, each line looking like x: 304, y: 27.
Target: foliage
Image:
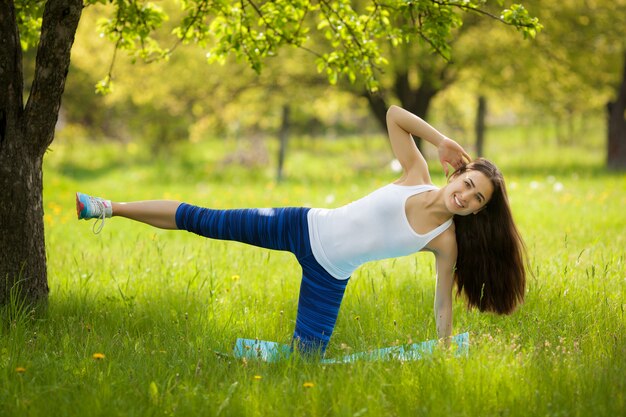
x: 254, y: 31
x: 29, y: 14
x: 185, y: 99
x: 156, y: 305
x: 573, y: 67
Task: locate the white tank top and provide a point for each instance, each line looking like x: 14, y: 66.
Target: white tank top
x: 371, y: 228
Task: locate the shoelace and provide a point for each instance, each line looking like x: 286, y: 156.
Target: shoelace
x: 100, y: 219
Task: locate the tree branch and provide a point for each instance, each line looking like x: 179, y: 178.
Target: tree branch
x: 288, y: 41
x: 341, y: 19
x: 197, y: 15
x: 468, y: 8
x: 60, y: 20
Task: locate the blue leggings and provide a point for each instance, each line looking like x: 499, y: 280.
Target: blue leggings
x: 283, y: 229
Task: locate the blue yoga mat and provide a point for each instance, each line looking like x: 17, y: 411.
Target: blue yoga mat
x: 272, y: 352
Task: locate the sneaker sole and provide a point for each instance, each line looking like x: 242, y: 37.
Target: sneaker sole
x: 80, y: 206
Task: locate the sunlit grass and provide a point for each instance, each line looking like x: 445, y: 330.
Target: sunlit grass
x: 136, y: 315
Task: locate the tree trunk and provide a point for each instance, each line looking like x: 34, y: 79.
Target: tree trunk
x: 378, y: 106
x: 481, y: 114
x: 616, y: 155
x: 25, y: 134
x: 416, y: 101
x: 23, y: 255
x: 283, y: 136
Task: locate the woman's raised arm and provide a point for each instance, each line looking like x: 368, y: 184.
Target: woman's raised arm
x: 401, y: 124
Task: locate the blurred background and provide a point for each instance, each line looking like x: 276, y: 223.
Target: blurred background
x: 557, y: 90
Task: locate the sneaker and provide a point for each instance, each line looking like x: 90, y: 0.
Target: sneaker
x: 88, y: 207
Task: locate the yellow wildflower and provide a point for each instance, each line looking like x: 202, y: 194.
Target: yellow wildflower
x: 235, y: 277
x: 98, y: 356
x: 308, y: 385
x: 20, y: 370
x: 257, y: 377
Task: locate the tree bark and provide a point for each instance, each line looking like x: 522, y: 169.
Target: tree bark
x: 416, y: 100
x: 481, y: 114
x: 25, y: 134
x: 616, y: 155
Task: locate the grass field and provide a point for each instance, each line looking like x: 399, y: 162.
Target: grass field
x: 153, y: 306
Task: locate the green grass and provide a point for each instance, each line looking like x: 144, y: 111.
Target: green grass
x: 158, y: 304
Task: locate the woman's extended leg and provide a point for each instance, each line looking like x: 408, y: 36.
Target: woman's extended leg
x: 157, y: 213
x: 271, y: 228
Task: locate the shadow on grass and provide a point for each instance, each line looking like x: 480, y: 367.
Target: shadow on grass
x: 80, y: 172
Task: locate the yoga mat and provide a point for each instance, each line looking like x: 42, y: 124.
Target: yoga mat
x: 273, y: 352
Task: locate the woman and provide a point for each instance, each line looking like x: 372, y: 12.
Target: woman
x: 467, y: 224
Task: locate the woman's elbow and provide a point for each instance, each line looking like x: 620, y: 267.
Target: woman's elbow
x: 392, y: 111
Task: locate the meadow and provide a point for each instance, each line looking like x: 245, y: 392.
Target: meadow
x: 140, y: 321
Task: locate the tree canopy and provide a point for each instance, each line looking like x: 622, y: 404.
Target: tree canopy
x: 346, y: 37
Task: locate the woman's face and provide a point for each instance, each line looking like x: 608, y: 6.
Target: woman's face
x: 468, y: 193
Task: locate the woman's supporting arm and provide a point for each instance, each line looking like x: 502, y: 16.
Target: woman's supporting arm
x: 445, y: 261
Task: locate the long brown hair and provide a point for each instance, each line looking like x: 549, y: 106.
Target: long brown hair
x: 490, y: 266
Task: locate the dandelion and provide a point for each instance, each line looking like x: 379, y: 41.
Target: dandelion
x: 395, y: 166
x: 257, y: 377
x: 20, y: 370
x: 98, y: 356
x: 558, y: 187
x: 56, y: 209
x: 235, y: 277
x: 308, y: 385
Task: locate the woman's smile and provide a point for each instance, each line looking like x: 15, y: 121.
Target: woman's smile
x: 457, y: 201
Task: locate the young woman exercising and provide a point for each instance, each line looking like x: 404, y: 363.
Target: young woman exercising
x: 467, y: 224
